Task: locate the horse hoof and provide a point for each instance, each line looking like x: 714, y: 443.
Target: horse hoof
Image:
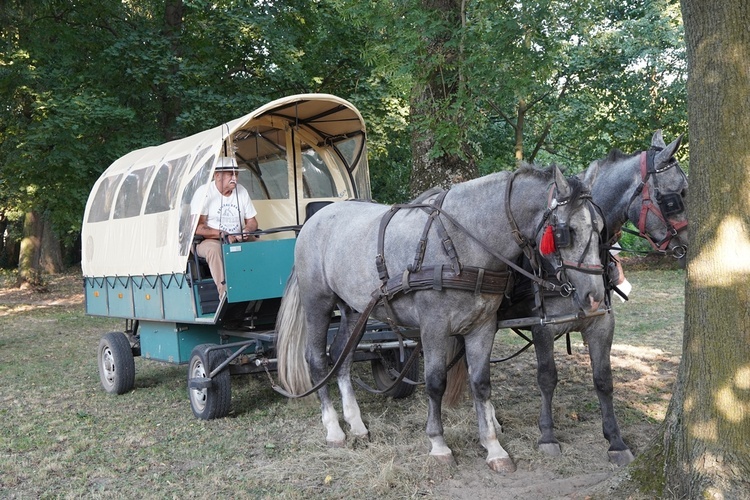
x: 551, y: 449
x: 502, y: 465
x: 445, y: 459
x: 362, y: 437
x: 620, y: 458
x: 336, y: 444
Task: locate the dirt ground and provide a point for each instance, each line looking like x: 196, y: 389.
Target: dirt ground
x: 644, y: 374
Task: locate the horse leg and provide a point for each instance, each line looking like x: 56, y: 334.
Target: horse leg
x: 600, y: 345
x: 352, y: 413
x: 478, y: 350
x: 546, y: 378
x: 434, y: 349
x: 315, y: 353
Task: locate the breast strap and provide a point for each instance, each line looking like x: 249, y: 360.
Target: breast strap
x: 472, y: 279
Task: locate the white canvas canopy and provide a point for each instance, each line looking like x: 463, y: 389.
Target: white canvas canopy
x: 303, y: 148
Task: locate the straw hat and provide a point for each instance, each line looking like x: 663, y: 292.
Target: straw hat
x: 227, y: 164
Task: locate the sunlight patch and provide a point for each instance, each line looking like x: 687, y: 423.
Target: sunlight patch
x: 724, y: 262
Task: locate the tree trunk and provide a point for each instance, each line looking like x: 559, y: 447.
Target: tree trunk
x: 432, y: 164
x: 40, y: 251
x: 171, y: 103
x: 429, y: 171
x: 4, y: 242
x: 707, y: 426
x: 520, y: 121
x: 50, y: 260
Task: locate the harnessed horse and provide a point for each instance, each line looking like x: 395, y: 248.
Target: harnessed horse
x: 649, y: 189
x: 360, y: 257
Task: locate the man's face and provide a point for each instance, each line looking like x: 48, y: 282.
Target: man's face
x: 226, y: 181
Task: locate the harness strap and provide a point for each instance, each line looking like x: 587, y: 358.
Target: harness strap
x: 492, y: 282
x: 527, y: 245
x: 434, y: 217
x: 472, y: 279
x: 401, y: 376
x: 437, y: 278
x: 380, y: 257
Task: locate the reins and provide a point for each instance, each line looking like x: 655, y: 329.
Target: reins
x: 357, y: 333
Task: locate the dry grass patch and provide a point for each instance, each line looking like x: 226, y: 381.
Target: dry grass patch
x: 62, y: 436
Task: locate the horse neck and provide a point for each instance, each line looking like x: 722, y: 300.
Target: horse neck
x: 480, y: 206
x: 613, y: 190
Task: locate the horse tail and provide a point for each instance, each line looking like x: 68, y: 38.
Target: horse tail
x: 458, y: 375
x: 294, y: 373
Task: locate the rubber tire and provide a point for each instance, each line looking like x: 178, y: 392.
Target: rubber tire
x: 116, y: 363
x: 383, y: 379
x: 212, y: 402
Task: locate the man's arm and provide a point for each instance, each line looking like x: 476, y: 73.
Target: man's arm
x: 251, y: 225
x: 205, y: 231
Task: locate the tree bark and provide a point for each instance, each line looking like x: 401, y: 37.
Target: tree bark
x: 707, y: 428
x: 50, y: 259
x: 520, y: 121
x: 31, y: 249
x: 171, y: 103
x: 40, y: 251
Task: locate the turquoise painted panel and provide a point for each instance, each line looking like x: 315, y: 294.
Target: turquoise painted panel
x: 162, y: 297
x: 120, y: 297
x: 258, y: 270
x: 173, y: 342
x: 178, y: 298
x: 147, y: 297
x: 95, y: 293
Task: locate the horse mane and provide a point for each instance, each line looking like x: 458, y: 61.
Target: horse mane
x: 614, y: 156
x: 544, y: 173
x: 577, y: 186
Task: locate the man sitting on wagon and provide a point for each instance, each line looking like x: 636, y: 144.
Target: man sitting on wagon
x: 228, y: 215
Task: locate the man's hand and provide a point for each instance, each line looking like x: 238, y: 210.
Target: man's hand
x: 237, y: 238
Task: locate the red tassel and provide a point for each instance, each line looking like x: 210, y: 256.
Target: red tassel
x: 547, y: 245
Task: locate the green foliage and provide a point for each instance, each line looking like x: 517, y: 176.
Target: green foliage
x: 633, y: 244
x: 85, y: 82
x: 592, y: 75
x: 89, y: 81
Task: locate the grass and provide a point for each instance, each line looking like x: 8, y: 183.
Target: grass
x: 62, y: 437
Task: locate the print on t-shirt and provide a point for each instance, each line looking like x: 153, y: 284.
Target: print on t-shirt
x: 229, y: 216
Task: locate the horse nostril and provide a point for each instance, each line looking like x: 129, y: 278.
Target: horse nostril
x: 594, y: 303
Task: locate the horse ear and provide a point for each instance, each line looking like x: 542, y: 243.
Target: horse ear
x: 658, y: 140
x: 588, y: 176
x: 563, y: 189
x: 663, y: 156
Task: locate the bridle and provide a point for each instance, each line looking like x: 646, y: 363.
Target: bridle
x: 557, y: 235
x: 667, y: 204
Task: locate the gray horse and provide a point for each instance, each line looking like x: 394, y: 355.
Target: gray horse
x: 648, y: 188
x: 439, y: 265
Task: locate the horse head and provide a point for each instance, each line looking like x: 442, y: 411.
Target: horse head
x: 571, y: 238
x: 661, y: 215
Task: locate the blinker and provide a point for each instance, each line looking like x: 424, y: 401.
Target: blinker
x: 562, y: 235
x: 670, y: 203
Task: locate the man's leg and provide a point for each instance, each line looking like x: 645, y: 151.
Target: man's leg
x: 211, y: 251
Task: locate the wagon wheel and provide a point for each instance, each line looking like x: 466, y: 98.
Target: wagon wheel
x: 386, y: 370
x: 209, y: 399
x: 116, y: 363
